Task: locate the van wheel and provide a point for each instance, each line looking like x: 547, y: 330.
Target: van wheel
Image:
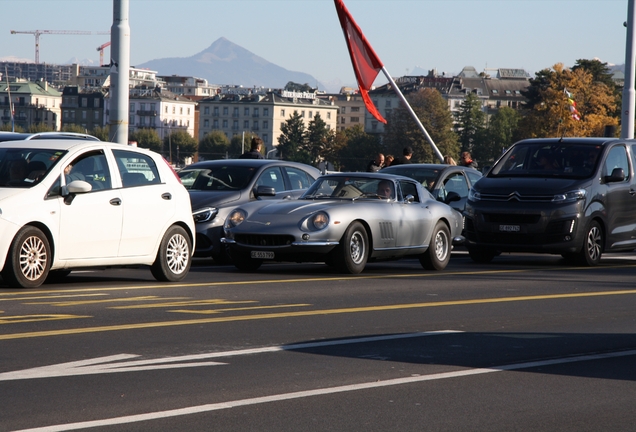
x: 438, y: 253
x: 590, y: 253
x: 174, y: 256
x: 29, y: 259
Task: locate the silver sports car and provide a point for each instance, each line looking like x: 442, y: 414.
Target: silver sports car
x: 345, y: 220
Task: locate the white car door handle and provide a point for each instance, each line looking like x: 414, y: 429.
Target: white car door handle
x: 166, y: 196
x: 115, y: 201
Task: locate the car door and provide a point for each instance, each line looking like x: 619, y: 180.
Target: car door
x: 146, y: 201
x: 414, y: 220
x: 90, y: 223
x: 619, y: 198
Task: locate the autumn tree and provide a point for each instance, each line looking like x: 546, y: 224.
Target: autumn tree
x: 470, y: 123
x: 432, y: 110
x: 548, y: 110
x: 147, y: 138
x: 214, y: 145
x: 292, y: 140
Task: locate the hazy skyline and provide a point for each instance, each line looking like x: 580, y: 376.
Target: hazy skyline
x: 305, y: 35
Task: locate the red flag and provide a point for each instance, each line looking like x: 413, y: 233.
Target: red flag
x: 366, y: 63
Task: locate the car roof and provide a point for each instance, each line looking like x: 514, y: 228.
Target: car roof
x: 249, y: 163
x: 377, y: 175
x: 573, y: 140
x: 17, y: 136
x: 61, y: 144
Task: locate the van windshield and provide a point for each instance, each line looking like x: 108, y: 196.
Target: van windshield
x: 555, y: 160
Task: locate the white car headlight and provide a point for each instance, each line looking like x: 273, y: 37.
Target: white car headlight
x: 204, y: 214
x: 570, y: 196
x: 319, y: 221
x: 235, y: 219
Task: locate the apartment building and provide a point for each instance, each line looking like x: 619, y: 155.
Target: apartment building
x: 83, y: 108
x: 31, y: 102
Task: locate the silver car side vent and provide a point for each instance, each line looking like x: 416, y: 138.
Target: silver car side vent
x: 386, y: 230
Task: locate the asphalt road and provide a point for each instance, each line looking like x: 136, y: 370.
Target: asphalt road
x: 523, y: 344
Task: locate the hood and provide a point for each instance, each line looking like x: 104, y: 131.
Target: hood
x: 300, y: 207
x: 9, y: 192
x: 528, y: 185
x: 200, y: 199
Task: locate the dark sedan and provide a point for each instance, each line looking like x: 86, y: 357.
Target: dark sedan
x: 442, y: 181
x: 217, y: 187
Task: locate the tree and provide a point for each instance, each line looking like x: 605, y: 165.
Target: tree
x: 470, y: 123
x: 549, y: 111
x: 214, y: 145
x: 102, y: 133
x: 6, y: 127
x: 147, y: 138
x: 40, y: 127
x: 318, y: 140
x: 241, y: 143
x: 356, y: 149
x: 179, y: 145
x: 291, y: 142
x: 292, y: 86
x: 73, y: 128
x: 432, y: 110
x: 499, y: 135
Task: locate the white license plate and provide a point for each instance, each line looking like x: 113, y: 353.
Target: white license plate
x: 262, y: 254
x: 509, y: 228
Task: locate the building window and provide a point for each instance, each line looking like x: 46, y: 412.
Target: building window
x: 96, y: 115
x: 355, y: 119
x: 235, y: 112
x: 246, y: 124
x: 153, y: 107
x: 166, y: 110
x: 302, y: 113
x: 255, y: 124
x: 265, y: 124
x: 142, y: 107
x: 206, y: 110
x: 215, y: 124
x: 265, y: 138
x: 188, y: 111
x: 246, y: 112
x: 84, y: 115
x: 181, y: 110
x: 342, y: 120
x: 174, y: 110
x: 388, y: 103
x: 224, y: 124
x: 226, y: 110
x: 282, y: 113
x: 84, y: 102
x: 216, y: 111
x: 266, y: 112
x: 206, y: 123
x: 255, y: 112
x: 311, y: 114
x: 355, y: 109
x: 343, y: 110
x: 235, y: 125
x: 329, y: 115
x: 132, y: 107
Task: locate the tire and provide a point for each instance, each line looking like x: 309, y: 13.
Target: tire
x: 174, y: 256
x: 29, y: 259
x: 353, y: 251
x: 222, y: 257
x: 592, y: 249
x: 245, y: 263
x: 482, y: 255
x: 438, y: 253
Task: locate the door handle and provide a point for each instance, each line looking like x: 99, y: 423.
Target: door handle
x: 166, y: 196
x: 115, y: 201
x: 632, y: 192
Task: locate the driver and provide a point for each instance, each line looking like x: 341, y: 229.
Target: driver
x: 385, y: 189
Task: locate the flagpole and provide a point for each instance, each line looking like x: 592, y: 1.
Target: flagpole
x: 629, y: 102
x: 417, y: 120
x: 10, y: 101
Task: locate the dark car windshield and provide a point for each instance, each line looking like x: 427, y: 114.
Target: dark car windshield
x: 24, y: 167
x: 555, y: 160
x: 426, y: 176
x: 217, y: 178
x: 343, y: 187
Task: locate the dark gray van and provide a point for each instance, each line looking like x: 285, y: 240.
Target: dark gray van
x: 570, y: 196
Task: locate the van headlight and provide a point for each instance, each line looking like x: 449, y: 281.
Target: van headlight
x: 235, y: 219
x: 473, y: 195
x: 204, y: 214
x: 571, y: 196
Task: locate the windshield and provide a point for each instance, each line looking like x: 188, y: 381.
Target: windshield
x: 555, y: 160
x: 23, y: 167
x: 426, y: 176
x: 341, y: 187
x: 217, y: 178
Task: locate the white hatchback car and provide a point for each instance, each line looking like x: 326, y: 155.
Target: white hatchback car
x: 68, y: 204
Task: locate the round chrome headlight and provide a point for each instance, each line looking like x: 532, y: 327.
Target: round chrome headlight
x: 235, y: 219
x: 319, y: 221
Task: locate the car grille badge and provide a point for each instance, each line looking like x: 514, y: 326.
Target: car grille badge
x: 514, y: 196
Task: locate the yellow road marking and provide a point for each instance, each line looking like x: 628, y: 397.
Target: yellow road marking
x: 216, y: 311
x: 183, y: 303
x: 115, y: 300
x: 36, y: 318
x: 51, y: 296
x: 362, y: 309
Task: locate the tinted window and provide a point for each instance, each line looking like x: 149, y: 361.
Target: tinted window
x: 272, y: 177
x: 298, y: 178
x: 136, y: 169
x: 23, y: 167
x: 91, y: 168
x: 409, y: 188
x: 616, y: 158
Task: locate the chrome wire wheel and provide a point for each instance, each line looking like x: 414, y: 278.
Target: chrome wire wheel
x: 441, y: 245
x: 357, y: 247
x: 33, y: 258
x: 177, y: 254
x: 593, y: 243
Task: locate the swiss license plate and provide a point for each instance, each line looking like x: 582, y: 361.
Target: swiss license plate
x: 262, y: 254
x: 509, y: 228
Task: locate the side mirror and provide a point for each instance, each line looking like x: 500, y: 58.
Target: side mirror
x: 618, y: 175
x: 409, y: 199
x: 78, y: 186
x: 264, y: 191
x: 451, y: 197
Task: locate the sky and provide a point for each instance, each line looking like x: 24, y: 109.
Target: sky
x: 305, y: 35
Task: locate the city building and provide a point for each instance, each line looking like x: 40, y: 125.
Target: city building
x: 188, y: 86
x: 83, y: 108
x: 351, y: 108
x: 262, y: 114
x: 31, y: 102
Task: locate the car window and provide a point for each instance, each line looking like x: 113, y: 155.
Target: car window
x: 91, y: 168
x: 408, y: 188
x: 272, y: 177
x: 473, y: 176
x: 456, y: 183
x: 616, y: 158
x: 136, y: 169
x: 24, y: 167
x: 298, y: 178
x: 217, y: 177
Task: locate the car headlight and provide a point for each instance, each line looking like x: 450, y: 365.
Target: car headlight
x: 235, y: 219
x: 319, y: 221
x: 570, y: 196
x: 204, y: 214
x: 473, y: 195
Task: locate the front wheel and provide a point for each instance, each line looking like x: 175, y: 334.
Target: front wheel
x: 482, y: 255
x: 353, y: 250
x: 438, y: 253
x: 174, y: 256
x: 244, y: 262
x: 590, y: 253
x: 28, y: 260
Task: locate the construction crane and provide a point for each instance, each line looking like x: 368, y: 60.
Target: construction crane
x: 37, y: 34
x: 101, y: 52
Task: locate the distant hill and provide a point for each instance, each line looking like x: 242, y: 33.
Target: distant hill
x: 224, y: 62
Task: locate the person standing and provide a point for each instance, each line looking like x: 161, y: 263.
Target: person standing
x: 449, y: 160
x: 376, y: 164
x: 467, y: 160
x: 255, y: 150
x: 407, y: 154
x: 388, y: 160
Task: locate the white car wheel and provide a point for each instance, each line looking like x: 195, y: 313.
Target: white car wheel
x: 174, y: 257
x: 29, y: 259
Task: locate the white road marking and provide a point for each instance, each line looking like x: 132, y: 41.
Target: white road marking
x: 310, y: 393
x: 102, y: 365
